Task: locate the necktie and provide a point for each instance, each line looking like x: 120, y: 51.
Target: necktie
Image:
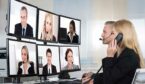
x: 49, y: 71
x: 23, y: 32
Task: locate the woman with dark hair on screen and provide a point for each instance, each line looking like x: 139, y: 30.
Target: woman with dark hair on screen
x: 72, y: 37
x: 69, y: 59
x: 123, y: 58
x: 47, y: 30
x: 25, y: 66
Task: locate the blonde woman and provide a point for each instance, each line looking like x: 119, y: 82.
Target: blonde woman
x: 47, y: 30
x: 25, y: 66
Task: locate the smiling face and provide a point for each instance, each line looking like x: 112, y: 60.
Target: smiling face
x: 70, y: 57
x: 24, y: 55
x: 49, y: 57
x: 23, y: 16
x: 107, y: 31
x: 48, y: 23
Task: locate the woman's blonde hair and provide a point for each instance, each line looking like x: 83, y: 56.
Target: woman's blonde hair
x: 129, y: 37
x: 25, y: 47
x: 44, y: 35
x: 51, y: 19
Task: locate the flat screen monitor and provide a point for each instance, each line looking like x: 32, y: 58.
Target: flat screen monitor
x: 22, y: 58
x: 48, y: 60
x: 70, y: 58
x: 22, y: 19
x: 73, y: 30
x: 47, y: 26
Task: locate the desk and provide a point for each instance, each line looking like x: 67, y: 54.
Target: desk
x: 66, y: 81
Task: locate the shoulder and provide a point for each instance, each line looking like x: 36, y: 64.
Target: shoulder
x: 130, y: 56
x: 75, y: 66
x: 53, y: 66
x: 29, y: 26
x: 18, y: 24
x: 65, y: 68
x: 45, y: 66
x: 31, y: 63
x: 54, y: 39
x: 20, y: 63
x: 129, y: 52
x: 76, y: 35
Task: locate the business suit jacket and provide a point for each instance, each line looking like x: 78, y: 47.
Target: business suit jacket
x: 18, y: 30
x: 30, y: 70
x: 45, y: 69
x: 75, y: 38
x: 119, y: 70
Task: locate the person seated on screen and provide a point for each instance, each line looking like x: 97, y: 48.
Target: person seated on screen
x: 69, y: 59
x: 72, y: 37
x: 47, y: 30
x: 49, y: 68
x: 25, y: 66
x: 23, y: 28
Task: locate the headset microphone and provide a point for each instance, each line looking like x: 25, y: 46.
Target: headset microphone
x: 100, y: 39
x: 106, y: 37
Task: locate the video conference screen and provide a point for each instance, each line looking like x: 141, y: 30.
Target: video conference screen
x: 21, y: 58
x: 22, y: 19
x: 72, y: 28
x: 47, y: 26
x: 48, y: 59
x: 69, y: 58
x: 27, y: 59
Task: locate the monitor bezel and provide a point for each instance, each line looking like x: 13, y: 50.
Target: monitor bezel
x: 37, y: 30
x: 9, y: 18
x: 38, y: 59
x: 63, y: 27
x: 8, y: 71
x: 79, y: 58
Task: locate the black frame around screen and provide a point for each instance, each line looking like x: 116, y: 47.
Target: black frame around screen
x: 79, y: 42
x: 38, y: 59
x: 8, y: 40
x: 9, y: 19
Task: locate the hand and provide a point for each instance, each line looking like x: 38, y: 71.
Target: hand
x: 89, y: 75
x: 86, y: 78
x: 112, y: 48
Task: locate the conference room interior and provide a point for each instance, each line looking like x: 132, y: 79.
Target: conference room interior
x: 89, y: 17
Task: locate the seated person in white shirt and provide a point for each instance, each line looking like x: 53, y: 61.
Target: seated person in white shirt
x: 25, y: 66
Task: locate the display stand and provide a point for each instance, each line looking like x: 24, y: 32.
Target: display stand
x: 18, y: 38
x: 16, y: 79
x: 45, y: 43
x: 64, y: 75
x: 41, y: 79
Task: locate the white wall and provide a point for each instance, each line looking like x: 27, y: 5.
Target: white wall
x: 3, y: 22
x: 44, y: 4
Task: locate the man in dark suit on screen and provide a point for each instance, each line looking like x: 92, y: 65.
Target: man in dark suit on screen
x: 23, y: 29
x: 49, y: 68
